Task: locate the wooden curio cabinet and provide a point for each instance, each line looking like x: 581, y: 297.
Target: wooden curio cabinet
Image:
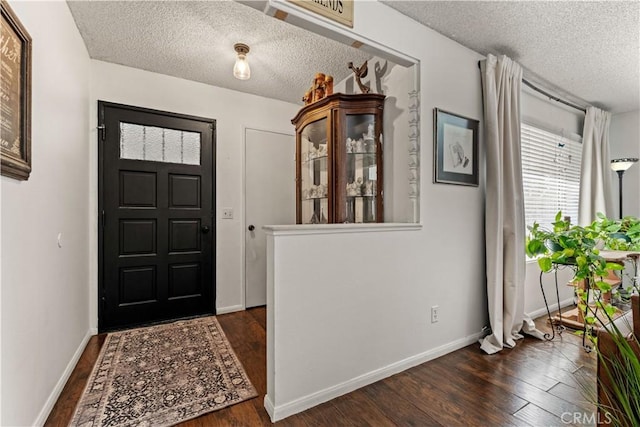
x: 339, y: 160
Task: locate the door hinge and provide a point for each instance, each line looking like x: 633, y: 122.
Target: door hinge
x: 103, y: 130
x: 102, y: 219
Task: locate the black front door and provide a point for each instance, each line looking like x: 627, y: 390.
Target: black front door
x: 157, y: 225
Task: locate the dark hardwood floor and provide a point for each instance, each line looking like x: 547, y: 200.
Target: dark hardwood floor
x: 535, y: 384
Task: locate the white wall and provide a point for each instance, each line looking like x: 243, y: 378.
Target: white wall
x: 45, y: 293
x: 232, y: 111
x: 624, y: 141
x: 367, y: 297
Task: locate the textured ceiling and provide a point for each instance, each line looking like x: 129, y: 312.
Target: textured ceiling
x: 194, y: 41
x: 588, y: 52
x: 589, y: 49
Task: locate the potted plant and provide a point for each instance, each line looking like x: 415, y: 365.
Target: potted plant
x: 619, y: 234
x: 619, y: 370
x: 569, y: 245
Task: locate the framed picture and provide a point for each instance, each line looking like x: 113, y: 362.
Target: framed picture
x: 15, y: 96
x: 455, y: 149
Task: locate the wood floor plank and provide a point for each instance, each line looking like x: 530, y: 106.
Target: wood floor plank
x: 397, y: 407
x: 361, y: 411
x: 260, y: 316
x: 443, y: 402
x: 537, y: 416
x: 324, y: 415
x: 573, y: 395
x: 475, y: 357
x: 553, y: 404
x: 560, y: 356
x: 542, y: 364
x: 496, y: 405
x: 508, y: 376
x: 293, y: 421
x: 467, y: 385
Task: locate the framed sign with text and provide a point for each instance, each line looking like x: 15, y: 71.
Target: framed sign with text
x: 340, y: 11
x: 15, y: 96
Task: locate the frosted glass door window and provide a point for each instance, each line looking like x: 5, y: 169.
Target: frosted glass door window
x: 150, y: 143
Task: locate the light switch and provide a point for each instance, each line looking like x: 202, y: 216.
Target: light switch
x: 227, y: 213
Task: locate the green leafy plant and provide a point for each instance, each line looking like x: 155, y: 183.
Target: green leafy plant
x: 578, y: 246
x: 618, y: 234
x: 568, y: 245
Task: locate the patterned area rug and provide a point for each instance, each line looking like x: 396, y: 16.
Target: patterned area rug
x: 162, y: 375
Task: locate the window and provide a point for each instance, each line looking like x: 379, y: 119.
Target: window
x: 550, y: 175
x: 150, y: 143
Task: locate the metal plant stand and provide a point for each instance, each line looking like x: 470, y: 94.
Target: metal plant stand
x: 556, y: 326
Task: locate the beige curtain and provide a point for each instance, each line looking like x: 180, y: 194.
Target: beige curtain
x: 595, y: 172
x: 504, y: 210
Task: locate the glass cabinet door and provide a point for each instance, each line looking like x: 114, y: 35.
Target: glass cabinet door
x: 361, y: 172
x: 314, y: 185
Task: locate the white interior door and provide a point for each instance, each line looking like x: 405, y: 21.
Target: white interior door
x: 269, y: 200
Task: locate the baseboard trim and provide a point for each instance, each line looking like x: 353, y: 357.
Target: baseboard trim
x: 55, y: 393
x: 229, y: 309
x: 268, y: 405
x: 280, y: 412
x: 543, y: 311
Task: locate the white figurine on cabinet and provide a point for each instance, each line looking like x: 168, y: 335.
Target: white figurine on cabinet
x: 350, y: 145
x: 369, y: 135
x: 368, y: 188
x: 359, y: 186
x: 352, y: 190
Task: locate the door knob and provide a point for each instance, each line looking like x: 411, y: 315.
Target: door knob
x: 251, y: 227
x: 204, y: 229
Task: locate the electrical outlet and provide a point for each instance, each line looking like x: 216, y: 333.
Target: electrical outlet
x: 435, y: 314
x: 227, y: 213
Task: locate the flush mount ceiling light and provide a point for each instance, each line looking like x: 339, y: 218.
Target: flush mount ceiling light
x: 241, y: 68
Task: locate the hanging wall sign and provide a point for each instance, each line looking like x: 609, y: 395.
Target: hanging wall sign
x: 340, y: 11
x: 15, y: 96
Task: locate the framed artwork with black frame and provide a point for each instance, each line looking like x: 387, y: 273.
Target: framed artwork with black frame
x: 15, y: 84
x: 455, y: 149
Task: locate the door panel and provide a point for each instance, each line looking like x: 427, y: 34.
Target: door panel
x: 184, y: 191
x: 156, y: 193
x: 137, y: 189
x: 269, y: 200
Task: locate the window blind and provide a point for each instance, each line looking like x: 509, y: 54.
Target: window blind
x: 550, y: 175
